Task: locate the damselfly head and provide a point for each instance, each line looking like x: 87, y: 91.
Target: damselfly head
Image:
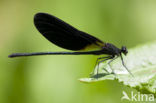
x: 124, y: 50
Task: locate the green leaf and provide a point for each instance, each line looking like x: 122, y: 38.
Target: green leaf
x: 141, y: 61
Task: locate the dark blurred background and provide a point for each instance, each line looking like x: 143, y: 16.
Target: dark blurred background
x: 54, y: 79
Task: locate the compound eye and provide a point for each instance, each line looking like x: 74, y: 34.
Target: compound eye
x: 124, y: 50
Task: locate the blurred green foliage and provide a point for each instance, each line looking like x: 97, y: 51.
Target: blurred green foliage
x: 53, y: 79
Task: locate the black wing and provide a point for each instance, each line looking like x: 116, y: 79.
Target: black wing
x: 63, y: 34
